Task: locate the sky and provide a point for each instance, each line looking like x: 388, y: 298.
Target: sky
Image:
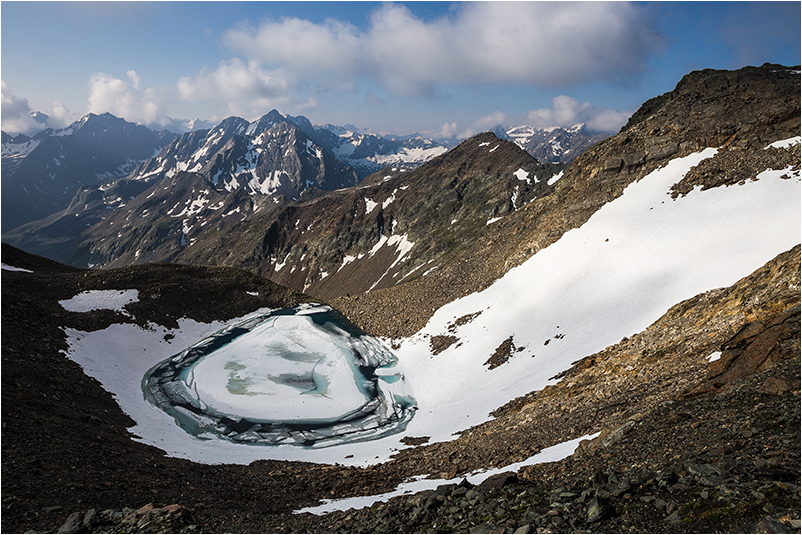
x: 441, y: 68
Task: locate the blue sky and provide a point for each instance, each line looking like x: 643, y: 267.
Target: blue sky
x: 437, y: 67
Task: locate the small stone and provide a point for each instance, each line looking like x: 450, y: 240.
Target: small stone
x: 498, y: 481
x: 769, y: 525
x: 73, y: 524
x: 703, y: 469
x: 90, y: 518
x: 526, y: 528
x: 486, y: 528
x: 597, y: 511
x: 673, y: 518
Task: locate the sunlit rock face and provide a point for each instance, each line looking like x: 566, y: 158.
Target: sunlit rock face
x: 300, y: 376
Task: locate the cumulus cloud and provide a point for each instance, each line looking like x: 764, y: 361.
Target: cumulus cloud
x: 300, y: 45
x: 60, y: 115
x: 448, y: 130
x: 548, y: 44
x: 16, y: 113
x: 123, y: 99
x: 290, y: 62
x: 489, y: 121
x: 247, y: 88
x: 135, y: 78
x: 565, y: 112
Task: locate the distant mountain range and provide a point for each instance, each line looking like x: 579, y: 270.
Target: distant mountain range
x: 552, y: 144
x: 42, y: 173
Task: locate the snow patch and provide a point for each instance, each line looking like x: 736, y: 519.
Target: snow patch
x: 522, y: 175
x: 630, y: 262
x: 12, y: 268
x: 553, y: 180
x: 420, y: 483
x: 786, y: 143
x: 370, y: 205
x: 89, y: 300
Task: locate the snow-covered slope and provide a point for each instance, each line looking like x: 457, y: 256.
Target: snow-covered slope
x: 633, y: 259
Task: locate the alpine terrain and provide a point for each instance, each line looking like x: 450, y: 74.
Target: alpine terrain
x: 265, y: 333
x: 225, y: 174
x: 42, y: 173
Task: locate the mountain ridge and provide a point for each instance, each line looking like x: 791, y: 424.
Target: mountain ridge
x: 362, y: 151
x: 41, y: 175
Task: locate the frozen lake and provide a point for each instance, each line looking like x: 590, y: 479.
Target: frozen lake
x: 292, y: 376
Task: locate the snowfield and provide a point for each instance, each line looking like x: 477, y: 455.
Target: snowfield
x: 633, y: 259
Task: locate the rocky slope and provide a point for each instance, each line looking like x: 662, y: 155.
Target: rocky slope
x: 740, y: 111
x: 683, y: 447
x: 393, y: 226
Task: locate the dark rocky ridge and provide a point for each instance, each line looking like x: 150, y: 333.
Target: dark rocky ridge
x: 439, y: 207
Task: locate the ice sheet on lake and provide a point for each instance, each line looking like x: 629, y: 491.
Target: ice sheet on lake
x: 291, y: 376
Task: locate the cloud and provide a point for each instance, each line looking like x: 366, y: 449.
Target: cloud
x: 135, y: 78
x: 291, y: 62
x: 448, y: 130
x: 488, y: 122
x: 247, y: 88
x: 16, y: 113
x: 60, y: 115
x: 300, y: 45
x: 123, y: 99
x: 565, y: 112
x: 547, y: 44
